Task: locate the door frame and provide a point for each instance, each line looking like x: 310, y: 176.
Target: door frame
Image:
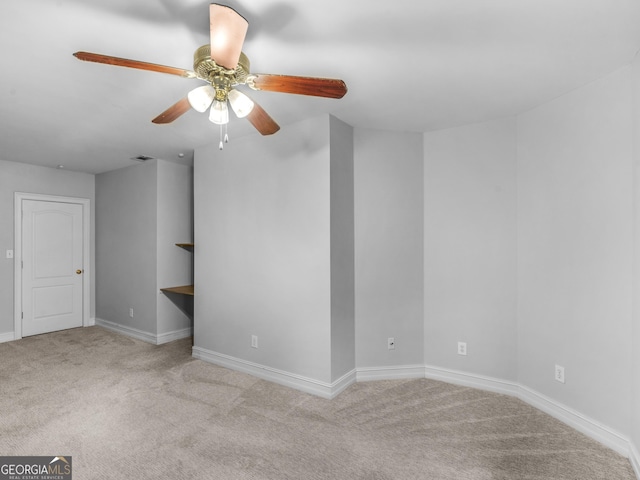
x: 19, y: 197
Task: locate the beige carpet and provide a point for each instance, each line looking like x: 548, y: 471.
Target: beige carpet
x: 124, y: 409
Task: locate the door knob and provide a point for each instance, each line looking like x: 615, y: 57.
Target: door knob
x: 78, y: 271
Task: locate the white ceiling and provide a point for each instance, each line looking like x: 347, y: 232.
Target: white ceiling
x: 410, y: 65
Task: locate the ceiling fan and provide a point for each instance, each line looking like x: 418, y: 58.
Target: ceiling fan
x: 223, y: 66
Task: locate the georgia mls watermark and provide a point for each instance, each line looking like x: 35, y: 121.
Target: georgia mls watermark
x: 35, y: 468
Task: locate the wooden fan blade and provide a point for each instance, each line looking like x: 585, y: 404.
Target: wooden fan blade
x: 262, y: 121
x: 124, y: 62
x: 173, y: 112
x: 227, y: 31
x: 317, y: 87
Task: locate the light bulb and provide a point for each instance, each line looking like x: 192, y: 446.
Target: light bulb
x: 219, y: 113
x: 241, y: 104
x: 200, y: 98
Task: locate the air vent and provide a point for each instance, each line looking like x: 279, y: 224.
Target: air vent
x: 142, y: 158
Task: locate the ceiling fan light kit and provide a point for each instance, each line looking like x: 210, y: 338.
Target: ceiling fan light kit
x: 223, y: 66
x: 201, y: 98
x: 240, y: 103
x: 219, y: 113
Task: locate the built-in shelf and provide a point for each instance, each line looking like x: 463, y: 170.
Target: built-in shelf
x: 183, y: 290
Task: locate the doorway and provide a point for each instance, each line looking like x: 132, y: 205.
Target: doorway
x: 52, y: 277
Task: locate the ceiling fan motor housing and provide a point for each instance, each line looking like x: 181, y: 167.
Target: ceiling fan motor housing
x: 207, y: 69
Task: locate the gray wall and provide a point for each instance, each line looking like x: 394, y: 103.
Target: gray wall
x: 343, y: 329
x: 126, y: 246
x: 567, y: 166
x: 388, y: 248
x: 470, y: 248
x: 18, y: 177
x: 635, y: 373
x: 529, y: 248
x: 575, y: 250
x: 175, y: 225
x: 142, y: 212
x: 238, y: 283
x: 262, y: 234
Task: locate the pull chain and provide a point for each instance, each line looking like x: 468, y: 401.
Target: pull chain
x: 226, y: 136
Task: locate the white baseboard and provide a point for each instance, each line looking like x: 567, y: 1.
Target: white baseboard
x: 634, y: 456
x: 593, y: 429
x: 343, y: 383
x: 10, y: 336
x: 142, y: 335
x: 299, y: 382
x: 7, y: 337
x: 471, y: 380
x: 588, y: 426
x: 172, y: 336
x: 578, y: 421
x: 367, y: 374
x: 128, y: 331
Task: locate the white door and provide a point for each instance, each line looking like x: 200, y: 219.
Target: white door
x: 52, y: 266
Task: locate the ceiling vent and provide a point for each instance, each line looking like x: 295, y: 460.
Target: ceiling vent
x: 142, y: 158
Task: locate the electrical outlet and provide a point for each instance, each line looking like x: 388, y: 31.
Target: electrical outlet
x: 131, y: 312
x: 462, y: 348
x: 254, y: 341
x: 9, y: 253
x: 559, y: 375
x: 391, y: 343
